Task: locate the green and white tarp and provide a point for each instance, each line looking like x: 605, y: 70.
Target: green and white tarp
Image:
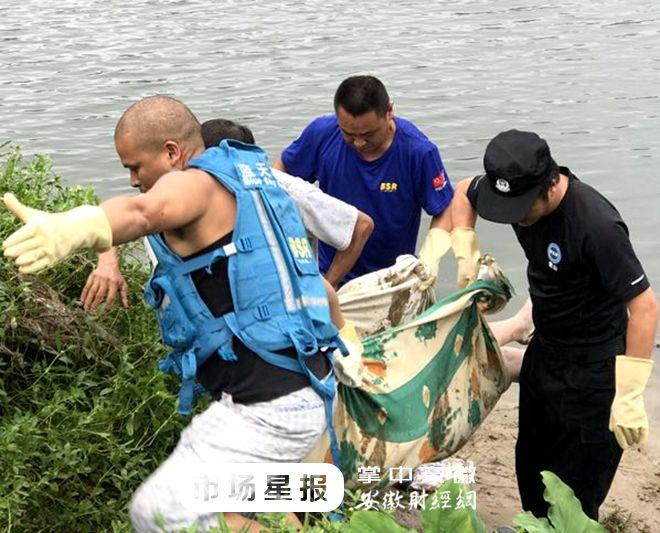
x: 427, y: 382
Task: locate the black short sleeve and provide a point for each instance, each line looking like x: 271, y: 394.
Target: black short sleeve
x: 472, y: 190
x: 608, y: 248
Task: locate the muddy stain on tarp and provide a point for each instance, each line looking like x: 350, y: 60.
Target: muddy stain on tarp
x: 399, y: 302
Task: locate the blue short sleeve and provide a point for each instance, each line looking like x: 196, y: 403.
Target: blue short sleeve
x: 433, y: 186
x: 301, y: 157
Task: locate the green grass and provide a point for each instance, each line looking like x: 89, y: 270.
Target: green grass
x: 620, y: 521
x: 85, y: 414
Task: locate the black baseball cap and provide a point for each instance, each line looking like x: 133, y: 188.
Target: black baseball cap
x: 516, y: 164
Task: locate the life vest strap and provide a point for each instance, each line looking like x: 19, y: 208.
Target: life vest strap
x: 242, y: 245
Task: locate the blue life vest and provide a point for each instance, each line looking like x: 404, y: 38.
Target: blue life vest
x: 280, y: 300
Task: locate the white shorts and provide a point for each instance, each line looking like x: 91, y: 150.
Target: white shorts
x: 282, y: 430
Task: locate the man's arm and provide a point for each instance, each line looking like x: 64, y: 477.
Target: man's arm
x: 278, y: 165
x: 176, y: 200
x: 463, y: 215
x: 442, y: 220
x: 344, y: 260
x: 453, y: 228
x: 628, y: 419
x: 436, y: 244
x: 608, y: 250
x: 330, y: 220
x: 105, y: 282
x: 642, y: 324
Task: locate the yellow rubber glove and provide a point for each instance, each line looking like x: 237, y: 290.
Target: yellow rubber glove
x: 628, y: 418
x: 46, y: 238
x: 436, y: 244
x: 466, y: 249
x: 349, y: 368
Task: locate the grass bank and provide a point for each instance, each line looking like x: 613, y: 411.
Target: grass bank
x: 84, y: 412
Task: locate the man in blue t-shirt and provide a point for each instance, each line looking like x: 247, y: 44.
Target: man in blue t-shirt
x: 381, y: 164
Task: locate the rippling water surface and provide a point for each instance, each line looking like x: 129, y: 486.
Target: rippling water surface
x: 585, y: 75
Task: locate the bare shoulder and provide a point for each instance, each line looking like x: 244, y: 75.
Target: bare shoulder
x: 204, y: 180
x: 199, y: 174
x: 191, y: 181
x: 464, y: 184
x: 190, y: 177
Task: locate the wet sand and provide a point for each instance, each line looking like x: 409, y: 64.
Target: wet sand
x: 635, y: 491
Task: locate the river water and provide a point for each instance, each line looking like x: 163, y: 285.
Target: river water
x: 584, y: 75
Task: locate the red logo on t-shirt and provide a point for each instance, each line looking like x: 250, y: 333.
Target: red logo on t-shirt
x: 439, y: 181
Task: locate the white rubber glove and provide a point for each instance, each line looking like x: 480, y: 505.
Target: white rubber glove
x: 349, y: 368
x: 46, y: 238
x: 436, y: 244
x: 466, y: 249
x: 628, y: 418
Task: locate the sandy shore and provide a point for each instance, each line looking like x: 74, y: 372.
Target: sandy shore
x: 636, y: 488
x: 635, y: 491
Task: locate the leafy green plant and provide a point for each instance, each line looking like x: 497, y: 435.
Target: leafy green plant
x: 374, y: 522
x: 85, y: 414
x: 459, y: 520
x: 565, y: 513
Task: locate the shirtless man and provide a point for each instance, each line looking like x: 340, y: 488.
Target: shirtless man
x: 328, y: 219
x: 230, y: 246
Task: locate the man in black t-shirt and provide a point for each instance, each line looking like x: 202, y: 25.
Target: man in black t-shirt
x: 581, y: 400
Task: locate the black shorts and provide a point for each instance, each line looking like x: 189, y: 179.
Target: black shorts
x: 565, y: 400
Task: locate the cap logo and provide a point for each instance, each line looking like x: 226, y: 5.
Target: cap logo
x: 502, y: 185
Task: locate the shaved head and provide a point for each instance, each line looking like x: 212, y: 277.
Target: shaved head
x: 157, y: 119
